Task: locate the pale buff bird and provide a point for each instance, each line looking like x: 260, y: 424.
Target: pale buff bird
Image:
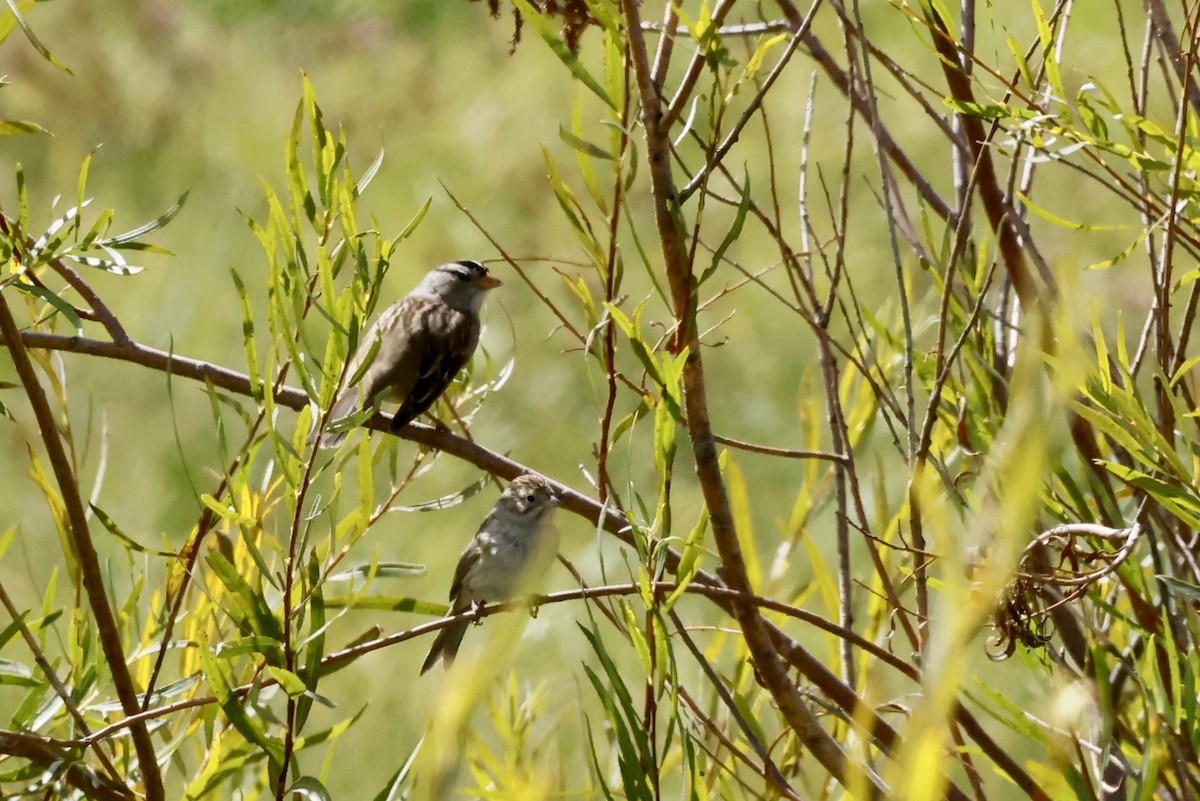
x: 506, y: 558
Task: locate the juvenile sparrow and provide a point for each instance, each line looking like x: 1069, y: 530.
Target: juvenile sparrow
x: 425, y: 338
x: 506, y: 558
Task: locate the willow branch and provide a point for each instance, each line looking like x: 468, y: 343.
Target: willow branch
x: 39, y: 752
x: 89, y: 561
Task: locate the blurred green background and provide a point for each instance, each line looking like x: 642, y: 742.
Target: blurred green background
x: 199, y: 96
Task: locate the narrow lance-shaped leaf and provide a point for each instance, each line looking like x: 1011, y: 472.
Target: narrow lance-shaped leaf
x: 571, y: 209
x: 130, y: 237
x: 365, y: 179
x: 55, y: 234
x: 58, y: 512
x: 292, y: 684
x: 633, y: 774
x: 632, y: 331
x: 642, y: 757
x: 22, y: 201
x: 664, y: 459
x: 303, y: 205
x: 739, y: 505
x: 689, y: 559
x: 34, y: 40
x: 346, y: 197
x: 59, y: 305
x: 256, y: 384
x: 636, y: 636
x: 253, y: 611
x: 81, y: 189
x: 6, y: 540
x: 449, y: 500
x: 15, y: 673
x: 381, y: 570
x: 1049, y: 51
x: 582, y: 145
x: 546, y: 30
x: 111, y: 526
x: 735, y: 230
x: 17, y: 127
x: 98, y: 231
x: 584, y: 152
x: 231, y: 705
x: 1018, y: 54
x: 414, y: 222
x: 614, y: 64
x: 255, y: 644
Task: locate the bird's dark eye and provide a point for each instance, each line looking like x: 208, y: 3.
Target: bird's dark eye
x: 531, y: 499
x: 464, y: 277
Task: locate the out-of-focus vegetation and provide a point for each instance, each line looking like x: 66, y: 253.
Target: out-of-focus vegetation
x: 879, y: 414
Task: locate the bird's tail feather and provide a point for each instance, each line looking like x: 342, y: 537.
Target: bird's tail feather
x: 445, y: 646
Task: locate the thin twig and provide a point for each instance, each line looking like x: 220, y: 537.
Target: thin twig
x: 769, y: 770
x: 786, y: 453
x: 752, y: 109
x: 695, y: 67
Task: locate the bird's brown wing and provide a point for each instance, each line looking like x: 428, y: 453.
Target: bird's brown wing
x: 470, y: 557
x: 394, y: 364
x: 449, y: 339
x: 402, y: 341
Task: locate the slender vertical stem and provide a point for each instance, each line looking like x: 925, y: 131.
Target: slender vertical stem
x: 890, y: 197
x: 611, y: 288
x: 771, y: 668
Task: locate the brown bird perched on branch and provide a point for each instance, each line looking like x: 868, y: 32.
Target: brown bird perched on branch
x: 508, y: 556
x: 424, y: 339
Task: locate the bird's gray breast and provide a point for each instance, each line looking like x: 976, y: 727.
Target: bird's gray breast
x: 515, y: 554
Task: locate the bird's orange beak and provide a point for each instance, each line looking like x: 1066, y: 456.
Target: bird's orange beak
x: 489, y: 282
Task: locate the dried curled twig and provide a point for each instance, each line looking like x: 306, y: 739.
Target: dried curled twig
x: 1021, y: 616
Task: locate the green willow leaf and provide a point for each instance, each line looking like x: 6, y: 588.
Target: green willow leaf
x: 129, y: 237
x: 17, y: 127
x: 546, y: 30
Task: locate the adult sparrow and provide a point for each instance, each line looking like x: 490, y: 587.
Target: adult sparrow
x: 506, y: 558
x: 424, y: 339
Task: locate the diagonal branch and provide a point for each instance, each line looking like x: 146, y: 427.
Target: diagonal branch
x: 78, y: 775
x: 752, y: 109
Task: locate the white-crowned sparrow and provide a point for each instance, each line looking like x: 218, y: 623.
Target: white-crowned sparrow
x: 425, y: 338
x: 506, y: 558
